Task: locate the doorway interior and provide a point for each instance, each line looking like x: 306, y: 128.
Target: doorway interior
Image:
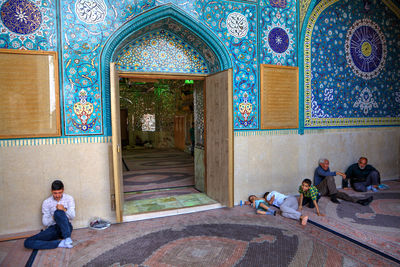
x: 162, y: 138
x: 218, y: 138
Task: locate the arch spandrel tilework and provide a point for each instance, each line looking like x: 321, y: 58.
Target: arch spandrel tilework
x: 161, y: 51
x: 123, y: 35
x: 347, y: 54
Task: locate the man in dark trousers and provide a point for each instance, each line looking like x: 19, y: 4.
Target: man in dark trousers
x: 58, y: 210
x: 363, y: 177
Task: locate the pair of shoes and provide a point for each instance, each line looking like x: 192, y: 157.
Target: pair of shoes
x: 374, y: 189
x: 366, y: 201
x: 334, y: 199
x: 274, y: 212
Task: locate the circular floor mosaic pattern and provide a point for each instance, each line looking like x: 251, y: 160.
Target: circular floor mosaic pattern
x: 206, y: 245
x: 365, y: 49
x: 21, y: 16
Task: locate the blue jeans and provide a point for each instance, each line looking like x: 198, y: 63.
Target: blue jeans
x: 372, y: 179
x: 50, y: 238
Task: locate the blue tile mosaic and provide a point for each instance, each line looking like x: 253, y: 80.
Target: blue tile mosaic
x: 86, y: 31
x: 278, y: 31
x: 161, y: 51
x: 351, y: 67
x: 236, y: 26
x: 28, y: 25
x: 347, y: 50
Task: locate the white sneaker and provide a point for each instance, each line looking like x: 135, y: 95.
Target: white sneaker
x: 68, y: 241
x: 63, y: 244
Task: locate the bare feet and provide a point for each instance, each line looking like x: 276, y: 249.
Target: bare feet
x: 304, y: 220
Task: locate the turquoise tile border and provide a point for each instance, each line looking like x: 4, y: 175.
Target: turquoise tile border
x: 54, y: 141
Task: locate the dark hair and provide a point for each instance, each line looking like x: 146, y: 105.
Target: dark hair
x: 265, y: 195
x: 57, y: 185
x: 250, y: 197
x: 307, y: 181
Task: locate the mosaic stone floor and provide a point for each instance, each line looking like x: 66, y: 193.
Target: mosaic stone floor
x: 156, y: 169
x: 220, y: 237
x: 376, y: 225
x: 174, y: 201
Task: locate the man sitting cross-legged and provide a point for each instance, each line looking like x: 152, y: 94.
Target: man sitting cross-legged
x: 57, y: 211
x: 363, y: 177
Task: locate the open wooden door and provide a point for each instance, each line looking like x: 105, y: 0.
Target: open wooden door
x: 219, y: 137
x: 116, y: 142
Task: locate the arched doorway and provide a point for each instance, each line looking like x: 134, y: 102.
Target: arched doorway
x: 218, y: 95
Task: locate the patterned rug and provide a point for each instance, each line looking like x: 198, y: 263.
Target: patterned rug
x: 156, y: 159
x: 157, y: 169
x: 222, y: 237
x: 376, y: 225
x: 157, y: 179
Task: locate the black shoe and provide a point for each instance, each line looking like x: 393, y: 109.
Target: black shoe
x: 334, y: 199
x: 365, y: 201
x: 368, y: 200
x: 274, y: 212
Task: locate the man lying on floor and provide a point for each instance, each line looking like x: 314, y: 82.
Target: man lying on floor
x: 287, y: 204
x: 58, y: 210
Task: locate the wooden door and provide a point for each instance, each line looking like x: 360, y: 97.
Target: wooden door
x: 219, y: 137
x: 116, y: 143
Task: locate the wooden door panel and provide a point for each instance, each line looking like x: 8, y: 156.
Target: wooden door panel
x: 116, y: 142
x: 219, y: 137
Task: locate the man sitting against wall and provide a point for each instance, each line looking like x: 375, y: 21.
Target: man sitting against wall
x: 363, y: 177
x: 58, y: 210
x: 325, y: 183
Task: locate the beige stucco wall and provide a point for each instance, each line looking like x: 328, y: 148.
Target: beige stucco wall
x: 280, y: 161
x: 263, y: 162
x: 26, y: 173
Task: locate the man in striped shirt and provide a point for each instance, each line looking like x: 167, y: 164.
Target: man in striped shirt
x: 58, y: 210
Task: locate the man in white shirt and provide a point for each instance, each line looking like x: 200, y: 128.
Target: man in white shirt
x: 58, y: 210
x: 287, y: 204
